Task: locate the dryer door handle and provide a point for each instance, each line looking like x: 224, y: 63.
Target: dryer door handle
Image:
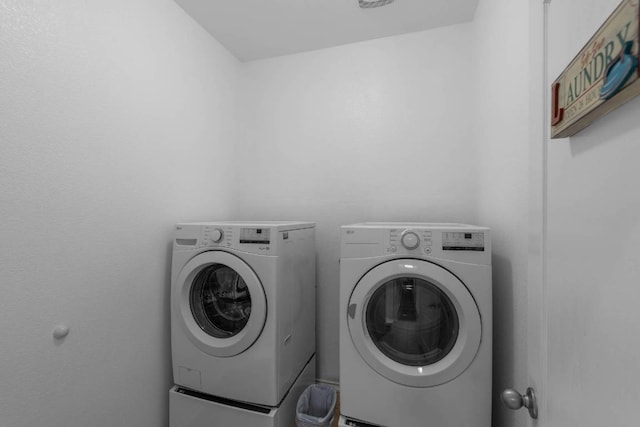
x: 351, y: 311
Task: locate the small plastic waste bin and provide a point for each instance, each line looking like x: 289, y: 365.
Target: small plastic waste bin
x: 315, y: 406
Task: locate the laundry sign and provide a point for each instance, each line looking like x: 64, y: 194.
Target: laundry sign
x: 602, y: 77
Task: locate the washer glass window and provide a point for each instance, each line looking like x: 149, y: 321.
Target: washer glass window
x: 220, y: 301
x: 412, y: 321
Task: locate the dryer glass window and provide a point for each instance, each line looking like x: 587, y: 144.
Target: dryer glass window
x: 220, y: 301
x: 412, y: 321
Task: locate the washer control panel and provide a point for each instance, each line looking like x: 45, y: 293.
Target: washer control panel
x: 271, y: 238
x: 217, y: 236
x: 259, y: 236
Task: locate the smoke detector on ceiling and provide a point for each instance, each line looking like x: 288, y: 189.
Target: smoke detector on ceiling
x: 366, y: 4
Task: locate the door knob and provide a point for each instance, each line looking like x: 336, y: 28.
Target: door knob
x: 514, y: 400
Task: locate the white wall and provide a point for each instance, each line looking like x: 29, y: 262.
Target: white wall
x: 113, y: 118
x: 501, y: 83
x: 593, y: 216
x: 379, y: 130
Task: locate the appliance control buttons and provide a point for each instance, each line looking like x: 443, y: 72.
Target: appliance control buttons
x: 410, y: 240
x: 217, y: 235
x: 427, y: 250
x: 393, y: 248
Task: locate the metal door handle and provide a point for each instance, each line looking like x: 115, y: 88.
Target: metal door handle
x: 351, y: 311
x: 514, y: 400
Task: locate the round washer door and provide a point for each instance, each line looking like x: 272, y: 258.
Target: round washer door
x: 221, y: 303
x: 414, y: 322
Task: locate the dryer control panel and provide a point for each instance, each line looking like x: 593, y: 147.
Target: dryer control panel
x: 410, y: 240
x: 460, y: 242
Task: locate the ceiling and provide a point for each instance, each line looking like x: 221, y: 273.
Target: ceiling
x: 256, y: 29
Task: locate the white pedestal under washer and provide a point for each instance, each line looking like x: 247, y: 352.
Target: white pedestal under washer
x: 193, y: 409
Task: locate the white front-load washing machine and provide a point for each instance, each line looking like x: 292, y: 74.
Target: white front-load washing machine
x: 415, y: 325
x: 242, y: 309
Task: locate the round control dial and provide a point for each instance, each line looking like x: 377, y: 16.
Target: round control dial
x: 217, y: 235
x: 410, y: 240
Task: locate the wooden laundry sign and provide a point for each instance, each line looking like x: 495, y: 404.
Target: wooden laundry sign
x: 602, y: 77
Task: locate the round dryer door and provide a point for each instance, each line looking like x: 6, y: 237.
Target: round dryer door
x: 414, y: 322
x: 221, y: 303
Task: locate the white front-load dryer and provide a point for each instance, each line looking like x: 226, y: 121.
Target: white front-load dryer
x: 415, y: 325
x: 242, y: 308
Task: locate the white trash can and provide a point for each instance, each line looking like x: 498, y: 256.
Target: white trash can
x: 316, y: 406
